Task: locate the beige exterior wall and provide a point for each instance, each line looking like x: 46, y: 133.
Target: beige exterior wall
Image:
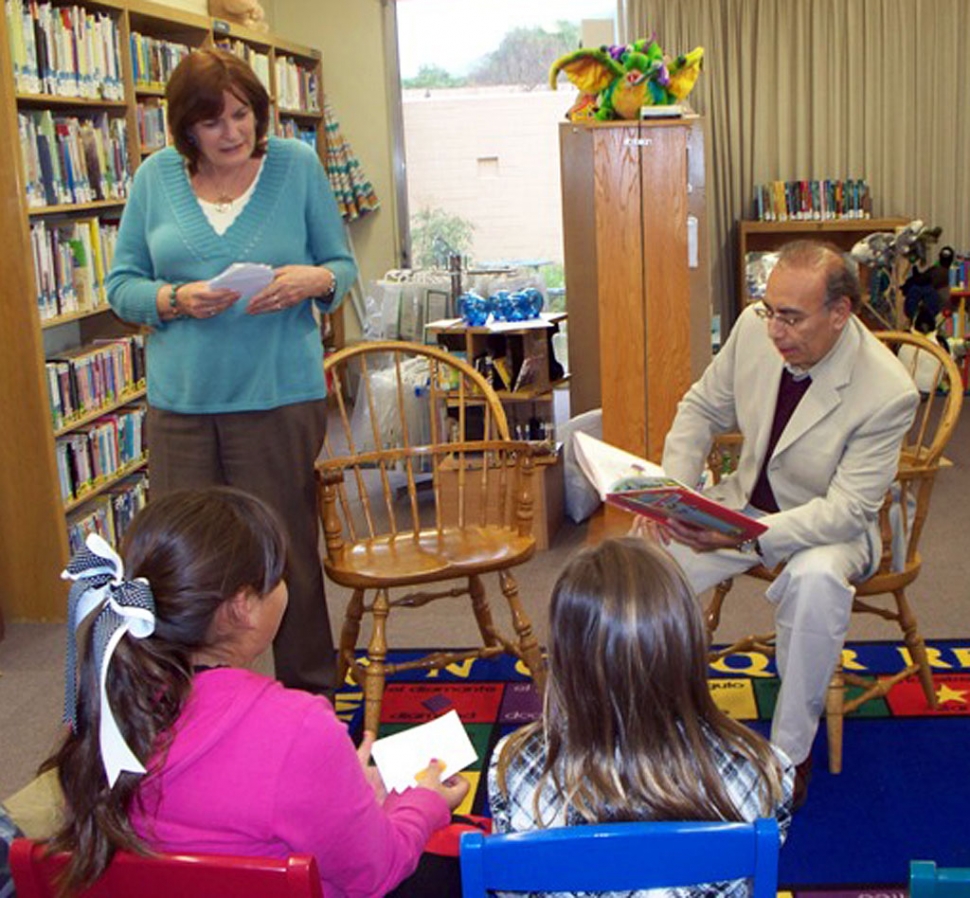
x: 491, y: 156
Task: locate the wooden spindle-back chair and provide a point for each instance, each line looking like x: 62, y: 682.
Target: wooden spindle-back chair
x: 419, y: 484
x: 902, y: 517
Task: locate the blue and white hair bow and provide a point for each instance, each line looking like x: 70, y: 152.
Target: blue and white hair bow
x: 122, y: 606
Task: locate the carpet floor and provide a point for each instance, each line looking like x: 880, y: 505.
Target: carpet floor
x: 903, y: 793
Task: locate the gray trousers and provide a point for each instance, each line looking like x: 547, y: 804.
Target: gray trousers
x: 813, y: 602
x: 269, y: 454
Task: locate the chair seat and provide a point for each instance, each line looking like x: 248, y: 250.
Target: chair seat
x: 427, y: 556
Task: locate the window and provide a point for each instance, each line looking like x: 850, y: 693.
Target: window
x: 479, y: 127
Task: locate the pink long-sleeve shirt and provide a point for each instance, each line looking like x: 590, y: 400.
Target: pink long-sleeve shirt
x: 260, y: 770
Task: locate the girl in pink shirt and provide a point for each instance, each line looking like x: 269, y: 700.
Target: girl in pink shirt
x: 186, y: 749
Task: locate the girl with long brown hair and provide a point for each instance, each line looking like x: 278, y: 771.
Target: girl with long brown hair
x: 175, y: 744
x: 629, y: 730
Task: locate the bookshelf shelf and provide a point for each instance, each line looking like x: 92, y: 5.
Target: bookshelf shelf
x: 73, y: 316
x: 764, y: 236
x: 53, y: 101
x: 95, y: 491
x: 74, y: 208
x: 37, y: 527
x: 107, y: 409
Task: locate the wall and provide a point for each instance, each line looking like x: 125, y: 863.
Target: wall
x: 350, y: 35
x: 492, y: 157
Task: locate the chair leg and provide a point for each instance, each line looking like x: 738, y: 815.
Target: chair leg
x: 528, y: 644
x: 483, y: 612
x: 376, y: 660
x: 917, y: 648
x: 349, y: 633
x: 835, y: 718
x: 712, y: 615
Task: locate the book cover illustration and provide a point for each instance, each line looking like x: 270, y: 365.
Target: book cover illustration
x: 629, y: 482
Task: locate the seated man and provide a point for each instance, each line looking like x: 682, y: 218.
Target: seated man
x: 823, y: 407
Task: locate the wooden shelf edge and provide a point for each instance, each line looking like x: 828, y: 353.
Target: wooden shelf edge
x: 88, y: 417
x: 95, y: 491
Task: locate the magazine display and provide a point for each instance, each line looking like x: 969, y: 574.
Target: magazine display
x: 630, y: 482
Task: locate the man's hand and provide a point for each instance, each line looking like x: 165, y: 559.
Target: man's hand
x: 699, y: 539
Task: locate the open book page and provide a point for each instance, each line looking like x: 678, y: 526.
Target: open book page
x: 629, y: 482
x: 402, y: 757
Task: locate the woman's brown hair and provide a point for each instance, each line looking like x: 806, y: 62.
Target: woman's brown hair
x: 196, y: 549
x: 629, y: 722
x: 195, y: 93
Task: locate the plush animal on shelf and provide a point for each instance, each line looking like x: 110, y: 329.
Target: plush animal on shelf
x: 616, y: 82
x: 248, y: 13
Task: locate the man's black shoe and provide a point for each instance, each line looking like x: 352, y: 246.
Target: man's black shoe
x: 803, y: 774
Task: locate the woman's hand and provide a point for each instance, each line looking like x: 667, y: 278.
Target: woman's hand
x: 371, y: 774
x: 292, y: 285
x: 453, y: 790
x: 196, y: 300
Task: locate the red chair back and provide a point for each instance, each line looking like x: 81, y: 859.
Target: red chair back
x: 167, y: 875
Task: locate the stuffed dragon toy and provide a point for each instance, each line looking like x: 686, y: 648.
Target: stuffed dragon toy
x: 614, y: 82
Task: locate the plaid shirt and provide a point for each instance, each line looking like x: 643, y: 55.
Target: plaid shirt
x: 514, y: 812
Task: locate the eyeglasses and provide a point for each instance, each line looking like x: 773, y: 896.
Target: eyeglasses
x: 791, y: 320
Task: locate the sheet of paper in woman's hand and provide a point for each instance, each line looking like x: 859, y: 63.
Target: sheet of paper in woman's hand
x: 246, y: 278
x: 401, y: 757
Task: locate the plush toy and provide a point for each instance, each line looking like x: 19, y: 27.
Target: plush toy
x: 248, y: 13
x: 615, y: 82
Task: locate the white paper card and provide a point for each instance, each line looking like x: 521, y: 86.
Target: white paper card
x: 246, y: 278
x: 401, y: 757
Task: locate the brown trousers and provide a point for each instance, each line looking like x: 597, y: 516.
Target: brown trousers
x: 269, y: 454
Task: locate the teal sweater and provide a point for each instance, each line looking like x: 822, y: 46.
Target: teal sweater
x: 233, y: 362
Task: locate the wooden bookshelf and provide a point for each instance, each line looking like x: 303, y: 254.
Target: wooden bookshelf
x: 764, y: 236
x: 33, y: 515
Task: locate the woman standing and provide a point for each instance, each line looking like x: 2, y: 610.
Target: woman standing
x: 235, y: 386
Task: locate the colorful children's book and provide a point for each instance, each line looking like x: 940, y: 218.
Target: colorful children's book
x: 629, y: 482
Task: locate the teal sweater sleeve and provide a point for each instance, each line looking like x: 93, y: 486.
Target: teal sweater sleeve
x: 234, y: 361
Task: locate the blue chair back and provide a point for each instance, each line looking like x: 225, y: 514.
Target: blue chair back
x: 618, y: 856
x: 926, y: 880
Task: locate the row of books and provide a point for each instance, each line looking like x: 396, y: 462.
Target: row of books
x: 812, y: 200
x: 110, y: 514
x: 960, y: 273
x: 90, y: 456
x: 66, y: 51
x: 71, y: 259
x: 296, y: 87
x: 152, y: 117
x: 73, y: 160
x: 292, y: 128
x: 258, y: 62
x: 153, y: 60
x: 80, y: 381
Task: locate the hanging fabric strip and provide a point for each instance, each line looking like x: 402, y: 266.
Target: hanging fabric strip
x: 354, y: 193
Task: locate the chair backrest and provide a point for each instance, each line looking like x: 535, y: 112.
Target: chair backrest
x: 411, y: 416
x: 926, y: 880
x: 941, y: 387
x: 164, y: 876
x: 622, y: 856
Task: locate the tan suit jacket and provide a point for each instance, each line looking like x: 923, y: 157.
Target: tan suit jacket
x: 836, y: 457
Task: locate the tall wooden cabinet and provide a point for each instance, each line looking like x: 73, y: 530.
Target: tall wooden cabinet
x: 637, y: 272
x: 34, y: 514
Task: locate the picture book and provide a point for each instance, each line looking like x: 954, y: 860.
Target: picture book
x: 630, y: 482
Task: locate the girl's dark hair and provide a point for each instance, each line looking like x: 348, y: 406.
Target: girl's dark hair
x: 629, y: 722
x: 196, y: 549
x: 195, y: 94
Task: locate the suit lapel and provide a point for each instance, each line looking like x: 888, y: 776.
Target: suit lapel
x: 825, y: 393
